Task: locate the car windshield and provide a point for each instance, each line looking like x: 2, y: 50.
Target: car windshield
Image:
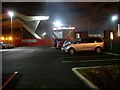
x: 78, y: 39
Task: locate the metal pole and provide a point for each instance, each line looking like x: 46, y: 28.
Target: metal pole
x: 111, y: 45
x: 88, y: 27
x: 11, y: 29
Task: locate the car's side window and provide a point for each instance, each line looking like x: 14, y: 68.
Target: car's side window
x: 90, y: 40
x: 98, y: 39
x: 84, y: 40
x: 77, y: 42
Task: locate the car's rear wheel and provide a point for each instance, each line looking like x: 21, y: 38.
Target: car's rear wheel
x: 71, y: 51
x: 98, y: 50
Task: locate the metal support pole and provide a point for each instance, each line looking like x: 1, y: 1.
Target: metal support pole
x: 111, y: 46
x: 11, y: 29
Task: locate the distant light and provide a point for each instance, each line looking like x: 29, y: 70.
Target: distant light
x: 78, y: 35
x: 2, y: 38
x: 111, y: 36
x: 44, y: 34
x: 6, y: 38
x: 10, y: 38
x: 114, y: 18
x: 10, y: 13
x: 40, y: 18
x: 68, y: 27
x: 16, y: 72
x: 57, y: 23
x: 61, y: 28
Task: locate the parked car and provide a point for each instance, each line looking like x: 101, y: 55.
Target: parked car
x: 4, y: 45
x: 59, y: 43
x: 84, y: 44
x: 66, y: 42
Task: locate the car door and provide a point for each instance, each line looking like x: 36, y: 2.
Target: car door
x: 81, y: 45
x: 90, y: 44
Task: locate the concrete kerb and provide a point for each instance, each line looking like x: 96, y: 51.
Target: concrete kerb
x: 85, y: 80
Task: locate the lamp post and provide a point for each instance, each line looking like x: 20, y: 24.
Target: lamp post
x: 114, y: 18
x: 11, y: 14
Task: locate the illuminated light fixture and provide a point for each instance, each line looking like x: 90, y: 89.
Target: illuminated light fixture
x: 78, y: 35
x: 2, y: 38
x: 16, y: 72
x: 111, y: 36
x: 114, y: 18
x: 10, y: 13
x: 44, y: 34
x: 61, y: 28
x: 10, y: 38
x: 6, y: 38
x: 57, y: 23
x: 40, y: 18
x: 68, y: 27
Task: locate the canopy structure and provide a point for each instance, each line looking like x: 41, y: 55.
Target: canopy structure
x: 30, y: 23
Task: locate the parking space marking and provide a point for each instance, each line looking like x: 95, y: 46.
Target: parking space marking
x: 112, y: 54
x: 31, y: 51
x: 73, y: 57
x: 84, y: 61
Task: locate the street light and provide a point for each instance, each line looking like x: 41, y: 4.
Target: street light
x: 114, y: 18
x: 57, y: 24
x: 11, y: 14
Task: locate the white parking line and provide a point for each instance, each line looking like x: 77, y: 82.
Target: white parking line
x: 81, y: 56
x: 3, y: 50
x: 31, y: 51
x: 97, y: 60
x: 112, y: 54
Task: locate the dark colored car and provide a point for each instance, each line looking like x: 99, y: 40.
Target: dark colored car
x: 4, y: 45
x: 58, y: 43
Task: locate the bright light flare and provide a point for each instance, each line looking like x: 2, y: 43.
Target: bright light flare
x: 114, y: 18
x: 44, y: 34
x: 16, y: 72
x: 6, y: 38
x: 111, y: 36
x: 10, y: 13
x: 40, y: 18
x: 57, y: 23
x: 2, y: 38
x: 10, y: 38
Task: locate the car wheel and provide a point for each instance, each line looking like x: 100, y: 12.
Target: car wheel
x: 71, y: 51
x: 98, y: 50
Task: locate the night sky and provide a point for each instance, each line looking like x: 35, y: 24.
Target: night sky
x: 92, y: 16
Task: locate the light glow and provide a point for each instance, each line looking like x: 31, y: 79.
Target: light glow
x: 40, y: 18
x: 114, y: 18
x: 2, y: 38
x: 77, y: 35
x: 16, y: 72
x: 6, y: 38
x: 61, y: 28
x: 111, y: 36
x: 10, y: 38
x: 57, y: 23
x: 44, y: 34
x: 10, y: 13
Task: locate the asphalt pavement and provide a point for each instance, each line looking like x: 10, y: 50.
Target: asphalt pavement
x: 46, y: 67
